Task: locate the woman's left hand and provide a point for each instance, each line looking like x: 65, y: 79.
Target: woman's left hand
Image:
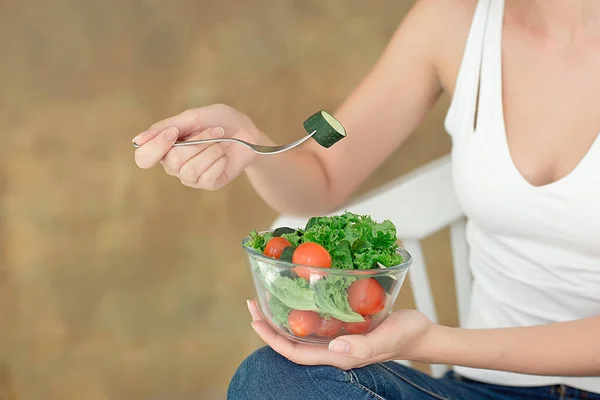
x: 401, y: 336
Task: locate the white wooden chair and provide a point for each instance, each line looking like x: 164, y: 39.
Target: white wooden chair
x: 419, y: 204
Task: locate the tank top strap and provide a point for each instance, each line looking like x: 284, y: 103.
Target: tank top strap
x: 463, y: 107
x: 491, y: 108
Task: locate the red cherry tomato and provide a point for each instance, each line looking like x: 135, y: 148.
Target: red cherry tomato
x: 312, y: 255
x: 366, y: 296
x: 275, y: 247
x: 303, y: 323
x: 328, y: 327
x: 356, y: 328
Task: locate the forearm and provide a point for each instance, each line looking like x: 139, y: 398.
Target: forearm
x: 379, y: 115
x: 294, y: 182
x: 559, y: 349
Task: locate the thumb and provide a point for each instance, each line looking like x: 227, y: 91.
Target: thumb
x: 357, y: 346
x: 193, y: 121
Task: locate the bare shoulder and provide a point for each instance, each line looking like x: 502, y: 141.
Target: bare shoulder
x: 448, y: 7
x: 448, y: 17
x: 447, y: 24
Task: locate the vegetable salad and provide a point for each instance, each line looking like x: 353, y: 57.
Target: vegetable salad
x: 306, y: 302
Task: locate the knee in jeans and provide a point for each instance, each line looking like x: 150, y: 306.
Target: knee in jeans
x: 263, y: 360
x: 258, y: 370
x: 266, y: 368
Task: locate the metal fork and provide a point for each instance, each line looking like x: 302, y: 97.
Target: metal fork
x: 257, y: 148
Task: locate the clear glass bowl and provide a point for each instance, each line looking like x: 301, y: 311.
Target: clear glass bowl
x: 318, y: 309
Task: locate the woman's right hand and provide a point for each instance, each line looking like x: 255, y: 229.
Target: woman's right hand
x: 209, y: 166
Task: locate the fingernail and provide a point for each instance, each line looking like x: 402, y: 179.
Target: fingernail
x: 217, y: 132
x: 171, y: 134
x: 339, y: 346
x: 253, y: 327
x: 248, y: 304
x: 138, y: 137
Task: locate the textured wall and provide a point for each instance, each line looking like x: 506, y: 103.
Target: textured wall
x: 118, y: 283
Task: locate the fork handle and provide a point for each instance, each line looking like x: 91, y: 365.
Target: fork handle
x: 203, y: 141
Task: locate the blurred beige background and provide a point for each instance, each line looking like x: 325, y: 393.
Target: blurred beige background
x: 118, y: 283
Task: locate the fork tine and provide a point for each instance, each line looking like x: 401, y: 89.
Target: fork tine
x: 301, y: 140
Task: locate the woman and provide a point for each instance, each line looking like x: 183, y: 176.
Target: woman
x: 524, y: 76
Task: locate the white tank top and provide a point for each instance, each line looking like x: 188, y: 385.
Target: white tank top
x: 534, y: 251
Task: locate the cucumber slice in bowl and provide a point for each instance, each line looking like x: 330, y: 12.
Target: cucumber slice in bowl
x: 283, y: 230
x: 287, y: 254
x: 328, y: 130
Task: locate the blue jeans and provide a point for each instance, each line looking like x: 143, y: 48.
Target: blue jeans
x: 266, y: 375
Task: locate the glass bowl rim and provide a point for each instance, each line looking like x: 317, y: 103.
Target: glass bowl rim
x: 251, y: 252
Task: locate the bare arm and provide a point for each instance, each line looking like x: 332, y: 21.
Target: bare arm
x: 379, y: 115
x: 559, y: 349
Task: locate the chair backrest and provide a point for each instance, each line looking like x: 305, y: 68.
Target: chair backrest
x: 419, y: 204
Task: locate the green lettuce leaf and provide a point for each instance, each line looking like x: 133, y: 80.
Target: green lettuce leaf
x: 279, y: 311
x: 294, y: 293
x: 353, y: 241
x: 294, y: 238
x: 341, y: 256
x: 369, y: 242
x: 258, y: 241
x: 368, y: 258
x: 331, y: 298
